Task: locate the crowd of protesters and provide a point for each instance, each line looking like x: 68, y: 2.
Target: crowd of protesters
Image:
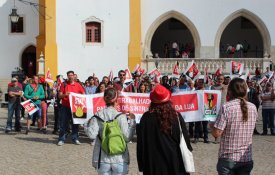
x: 39, y: 91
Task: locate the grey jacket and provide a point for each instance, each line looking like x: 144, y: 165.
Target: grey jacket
x: 95, y: 127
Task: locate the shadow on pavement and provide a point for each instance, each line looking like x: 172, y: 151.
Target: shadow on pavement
x: 35, y: 139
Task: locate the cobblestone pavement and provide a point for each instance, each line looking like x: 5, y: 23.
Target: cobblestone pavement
x: 37, y: 154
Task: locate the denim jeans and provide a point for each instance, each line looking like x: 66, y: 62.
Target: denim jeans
x: 113, y: 169
x: 66, y: 117
x: 13, y: 108
x: 37, y: 114
x: 268, y: 120
x: 230, y: 167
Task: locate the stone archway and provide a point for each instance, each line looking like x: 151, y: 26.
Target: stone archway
x: 28, y: 60
x: 178, y: 16
x: 252, y: 18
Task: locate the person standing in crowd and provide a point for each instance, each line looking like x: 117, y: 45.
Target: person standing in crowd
x: 104, y: 163
x: 174, y: 85
x: 191, y: 87
x: 235, y: 124
x: 158, y: 136
x: 268, y: 109
x: 105, y: 80
x: 253, y: 97
x: 57, y: 104
x: 119, y: 85
x: 201, y: 129
x: 142, y: 87
x: 24, y: 84
x: 44, y: 104
x: 91, y: 89
x: 34, y: 92
x: 222, y: 87
x: 101, y: 88
x: 227, y: 80
x: 164, y: 82
x: 182, y: 83
x: 66, y: 115
x: 15, y: 93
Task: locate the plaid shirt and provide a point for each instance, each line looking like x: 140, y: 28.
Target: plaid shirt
x: 236, y: 140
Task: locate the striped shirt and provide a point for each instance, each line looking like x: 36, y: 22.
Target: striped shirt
x: 236, y: 140
x: 268, y: 104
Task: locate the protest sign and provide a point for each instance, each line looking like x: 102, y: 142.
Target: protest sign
x: 193, y: 105
x: 30, y: 106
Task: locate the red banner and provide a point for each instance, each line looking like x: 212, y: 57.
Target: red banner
x: 185, y: 102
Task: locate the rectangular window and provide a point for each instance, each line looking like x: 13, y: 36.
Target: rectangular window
x: 17, y: 27
x: 93, y: 32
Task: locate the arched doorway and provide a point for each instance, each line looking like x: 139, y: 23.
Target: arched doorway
x: 29, y: 61
x: 241, y: 30
x: 175, y: 16
x: 173, y: 32
x: 240, y: 26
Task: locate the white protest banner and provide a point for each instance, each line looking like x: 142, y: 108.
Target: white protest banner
x: 79, y: 107
x: 187, y: 103
x: 192, y: 105
x: 30, y: 106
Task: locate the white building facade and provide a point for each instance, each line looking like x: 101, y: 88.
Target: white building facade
x: 132, y: 31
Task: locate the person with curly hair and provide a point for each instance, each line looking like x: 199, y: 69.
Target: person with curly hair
x: 158, y: 136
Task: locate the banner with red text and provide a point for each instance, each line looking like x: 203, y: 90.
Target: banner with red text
x: 193, y: 105
x: 30, y: 106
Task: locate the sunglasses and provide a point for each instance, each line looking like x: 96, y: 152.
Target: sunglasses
x: 122, y: 75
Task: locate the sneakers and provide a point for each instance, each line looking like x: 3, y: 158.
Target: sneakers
x: 77, y: 142
x: 27, y: 131
x: 7, y: 130
x: 60, y: 143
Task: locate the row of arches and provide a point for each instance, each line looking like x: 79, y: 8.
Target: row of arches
x: 241, y: 26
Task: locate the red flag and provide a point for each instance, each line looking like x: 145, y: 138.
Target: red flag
x: 111, y: 76
x: 192, y: 72
x: 49, y: 76
x: 142, y: 71
x: 154, y: 75
x: 136, y: 69
x: 176, y: 70
x: 128, y: 75
x: 205, y: 75
x: 218, y: 72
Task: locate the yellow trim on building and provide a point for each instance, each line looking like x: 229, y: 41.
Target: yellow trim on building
x: 134, y: 49
x: 46, y: 40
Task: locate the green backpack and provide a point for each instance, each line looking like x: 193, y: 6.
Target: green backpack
x: 112, y: 141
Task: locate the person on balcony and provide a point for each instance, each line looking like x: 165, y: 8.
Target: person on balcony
x: 239, y: 50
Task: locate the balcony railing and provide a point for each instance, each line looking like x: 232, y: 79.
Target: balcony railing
x: 166, y: 65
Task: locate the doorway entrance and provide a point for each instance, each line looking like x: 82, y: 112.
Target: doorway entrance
x: 29, y: 61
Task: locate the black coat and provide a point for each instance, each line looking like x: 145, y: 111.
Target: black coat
x: 159, y: 153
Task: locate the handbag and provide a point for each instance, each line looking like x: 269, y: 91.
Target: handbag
x: 186, y: 154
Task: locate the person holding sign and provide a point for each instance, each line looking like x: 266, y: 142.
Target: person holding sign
x: 34, y: 92
x: 15, y: 93
x: 159, y: 135
x: 235, y: 124
x: 66, y: 114
x: 111, y: 160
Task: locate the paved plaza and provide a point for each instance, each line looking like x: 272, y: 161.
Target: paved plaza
x: 37, y: 154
